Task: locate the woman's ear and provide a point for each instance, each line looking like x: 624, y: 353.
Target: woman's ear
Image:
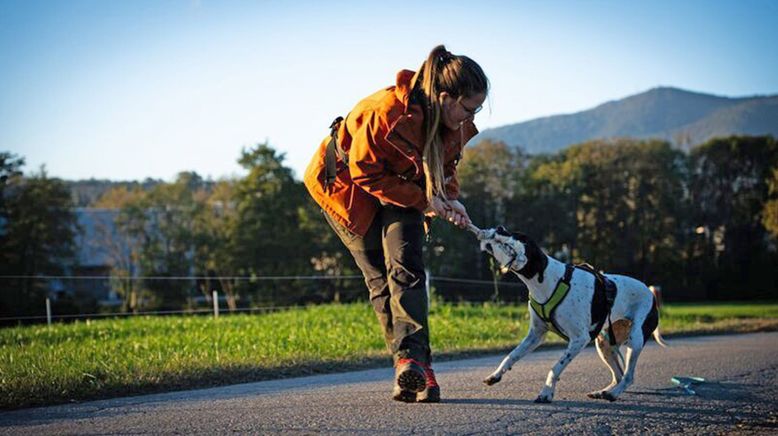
x: 442, y: 97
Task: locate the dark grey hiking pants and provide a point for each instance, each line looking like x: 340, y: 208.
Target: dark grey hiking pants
x: 390, y: 258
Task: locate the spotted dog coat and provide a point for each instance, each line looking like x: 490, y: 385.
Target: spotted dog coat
x: 633, y: 314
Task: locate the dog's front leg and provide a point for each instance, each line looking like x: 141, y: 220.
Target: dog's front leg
x: 530, y: 342
x: 573, y: 348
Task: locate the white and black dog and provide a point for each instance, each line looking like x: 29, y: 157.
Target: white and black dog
x: 575, y: 303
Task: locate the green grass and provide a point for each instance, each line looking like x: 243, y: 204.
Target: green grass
x: 109, y: 357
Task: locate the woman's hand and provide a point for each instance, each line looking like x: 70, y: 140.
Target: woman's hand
x: 457, y: 214
x: 437, y: 208
x: 450, y: 210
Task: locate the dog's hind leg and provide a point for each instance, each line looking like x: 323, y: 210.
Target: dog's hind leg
x: 634, y: 347
x: 609, y: 355
x: 574, y: 347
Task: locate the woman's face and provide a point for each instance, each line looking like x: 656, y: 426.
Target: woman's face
x: 456, y: 110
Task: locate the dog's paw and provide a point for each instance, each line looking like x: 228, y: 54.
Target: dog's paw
x: 545, y: 396
x: 608, y: 396
x: 597, y: 395
x: 492, y: 379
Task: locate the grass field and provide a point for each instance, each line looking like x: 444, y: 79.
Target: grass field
x: 96, y: 359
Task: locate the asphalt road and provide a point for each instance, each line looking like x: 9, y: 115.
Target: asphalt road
x: 739, y: 396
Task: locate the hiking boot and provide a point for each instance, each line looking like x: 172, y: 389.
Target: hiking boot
x: 398, y: 394
x: 409, y: 379
x: 431, y: 392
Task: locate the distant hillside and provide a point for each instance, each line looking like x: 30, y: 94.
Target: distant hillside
x: 682, y: 117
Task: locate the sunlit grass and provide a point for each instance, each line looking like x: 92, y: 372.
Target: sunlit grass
x: 108, y: 357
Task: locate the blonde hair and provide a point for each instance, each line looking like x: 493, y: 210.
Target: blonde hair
x: 460, y: 77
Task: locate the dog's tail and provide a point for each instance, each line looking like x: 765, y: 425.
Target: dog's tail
x: 658, y: 338
x: 658, y: 302
x: 657, y: 295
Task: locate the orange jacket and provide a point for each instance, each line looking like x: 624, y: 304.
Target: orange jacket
x: 384, y: 138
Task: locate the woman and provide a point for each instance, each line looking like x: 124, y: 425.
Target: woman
x: 389, y: 164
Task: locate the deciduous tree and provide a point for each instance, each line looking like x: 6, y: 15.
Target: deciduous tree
x: 36, y: 238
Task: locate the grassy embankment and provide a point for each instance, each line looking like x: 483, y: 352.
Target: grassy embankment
x: 110, y: 357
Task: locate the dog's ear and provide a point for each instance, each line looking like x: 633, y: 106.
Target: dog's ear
x: 536, y: 259
x: 503, y: 231
x: 521, y: 237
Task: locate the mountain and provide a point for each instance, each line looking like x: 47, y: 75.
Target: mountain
x: 682, y: 117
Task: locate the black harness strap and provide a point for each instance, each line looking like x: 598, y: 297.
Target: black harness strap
x: 610, y: 296
x: 602, y: 302
x: 332, y: 154
x: 604, y: 295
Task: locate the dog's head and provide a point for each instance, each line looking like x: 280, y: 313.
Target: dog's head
x: 514, y: 252
x: 508, y: 251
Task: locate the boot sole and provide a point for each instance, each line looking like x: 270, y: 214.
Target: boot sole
x: 412, y: 380
x: 432, y: 395
x: 405, y: 397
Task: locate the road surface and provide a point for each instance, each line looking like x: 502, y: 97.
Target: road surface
x: 739, y: 396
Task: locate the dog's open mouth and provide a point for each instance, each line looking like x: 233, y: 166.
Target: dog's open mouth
x: 500, y: 251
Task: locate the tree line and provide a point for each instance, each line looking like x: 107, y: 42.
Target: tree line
x: 702, y: 224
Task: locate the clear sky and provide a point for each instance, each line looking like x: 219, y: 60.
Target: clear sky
x: 126, y: 90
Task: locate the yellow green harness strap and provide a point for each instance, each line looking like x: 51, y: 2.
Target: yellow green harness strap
x: 546, y: 310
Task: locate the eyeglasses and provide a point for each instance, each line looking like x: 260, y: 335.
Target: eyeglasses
x: 473, y: 111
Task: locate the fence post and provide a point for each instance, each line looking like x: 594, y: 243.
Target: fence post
x: 215, y: 304
x: 48, y: 310
x: 427, y: 279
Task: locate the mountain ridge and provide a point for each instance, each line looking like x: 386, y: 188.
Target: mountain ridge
x: 665, y: 112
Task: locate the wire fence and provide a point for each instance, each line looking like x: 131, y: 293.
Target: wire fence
x: 287, y: 292
x: 175, y: 278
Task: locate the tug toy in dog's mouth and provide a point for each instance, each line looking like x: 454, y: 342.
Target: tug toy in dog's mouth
x: 479, y: 233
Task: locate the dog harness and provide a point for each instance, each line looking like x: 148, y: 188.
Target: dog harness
x: 546, y: 310
x: 602, y: 301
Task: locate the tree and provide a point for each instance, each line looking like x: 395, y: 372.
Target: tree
x: 117, y: 197
x: 729, y: 189
x: 37, y: 237
x: 550, y: 197
x: 122, y: 247
x: 163, y: 222
x: 269, y: 239
x: 770, y: 214
x: 10, y: 169
x: 10, y: 172
x: 215, y: 239
x: 171, y: 211
x: 616, y: 204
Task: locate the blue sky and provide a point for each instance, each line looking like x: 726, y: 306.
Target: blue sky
x: 126, y: 90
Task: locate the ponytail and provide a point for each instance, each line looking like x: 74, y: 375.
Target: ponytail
x: 459, y: 76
